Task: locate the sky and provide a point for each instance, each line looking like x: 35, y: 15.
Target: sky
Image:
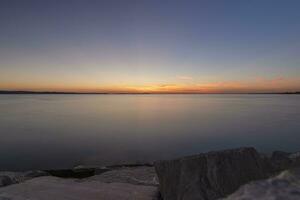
x: 165, y: 46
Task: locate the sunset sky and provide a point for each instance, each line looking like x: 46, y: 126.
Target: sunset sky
x: 209, y: 46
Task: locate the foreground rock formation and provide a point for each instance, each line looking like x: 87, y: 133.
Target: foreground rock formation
x: 214, y: 175
x: 138, y: 183
x: 207, y: 176
x: 285, y: 186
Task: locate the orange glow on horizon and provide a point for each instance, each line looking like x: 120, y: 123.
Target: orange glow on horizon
x: 258, y: 85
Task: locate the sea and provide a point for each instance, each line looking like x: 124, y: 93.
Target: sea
x: 58, y: 131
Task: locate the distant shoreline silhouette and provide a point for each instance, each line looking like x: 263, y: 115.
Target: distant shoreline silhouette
x: 137, y: 93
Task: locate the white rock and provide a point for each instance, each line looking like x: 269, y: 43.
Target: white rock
x: 285, y: 186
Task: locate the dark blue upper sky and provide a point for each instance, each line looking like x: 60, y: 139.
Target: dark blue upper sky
x: 95, y: 44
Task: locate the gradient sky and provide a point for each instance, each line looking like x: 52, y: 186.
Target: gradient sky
x: 150, y: 46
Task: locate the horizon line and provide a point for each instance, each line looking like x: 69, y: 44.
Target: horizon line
x: 141, y: 93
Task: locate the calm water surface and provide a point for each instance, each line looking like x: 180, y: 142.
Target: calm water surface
x: 60, y: 131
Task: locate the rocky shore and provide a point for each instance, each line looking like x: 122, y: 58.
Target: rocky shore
x: 230, y: 174
x: 90, y: 183
x: 215, y: 175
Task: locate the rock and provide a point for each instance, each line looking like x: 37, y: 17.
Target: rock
x: 8, y: 178
x: 54, y: 188
x: 73, y: 173
x: 283, y: 160
x: 285, y: 186
x: 119, y: 183
x: 280, y: 160
x: 88, y: 171
x: 295, y: 156
x: 5, y: 180
x: 210, y: 175
x: 34, y: 174
x: 133, y: 175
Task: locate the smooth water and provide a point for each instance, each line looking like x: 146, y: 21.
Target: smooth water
x: 61, y: 131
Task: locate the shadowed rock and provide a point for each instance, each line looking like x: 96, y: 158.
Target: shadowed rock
x: 210, y: 175
x: 283, y: 160
x: 71, y: 173
x: 8, y: 178
x: 5, y: 180
x: 81, y: 172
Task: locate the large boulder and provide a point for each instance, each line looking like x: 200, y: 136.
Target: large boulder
x: 210, y: 175
x: 285, y: 186
x: 284, y: 160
